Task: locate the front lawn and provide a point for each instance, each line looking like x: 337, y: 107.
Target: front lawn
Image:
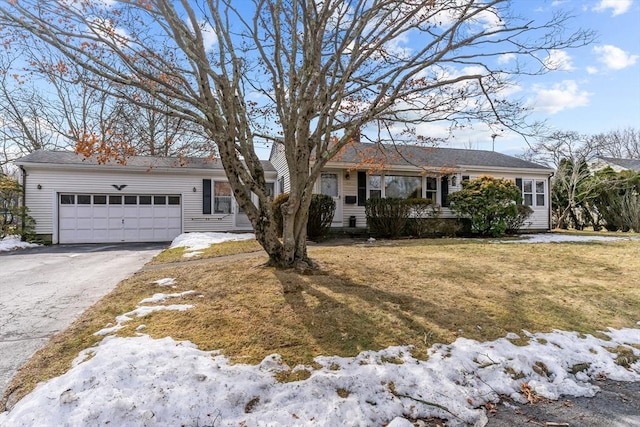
x: 368, y: 296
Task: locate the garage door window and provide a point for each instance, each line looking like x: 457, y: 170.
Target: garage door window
x: 99, y: 200
x: 84, y: 199
x: 159, y: 200
x: 115, y: 200
x: 145, y: 200
x: 174, y: 200
x: 67, y: 199
x: 130, y: 200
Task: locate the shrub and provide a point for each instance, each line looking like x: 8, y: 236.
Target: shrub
x: 321, y: 213
x: 514, y: 224
x: 14, y: 219
x: 631, y: 210
x: 277, y: 211
x: 386, y: 217
x: 490, y: 204
x: 424, y: 217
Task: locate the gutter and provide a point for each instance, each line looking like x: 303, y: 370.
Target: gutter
x: 550, y: 200
x: 23, y: 211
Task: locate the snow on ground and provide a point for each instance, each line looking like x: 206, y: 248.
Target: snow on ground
x: 565, y: 238
x: 160, y: 297
x: 198, y: 241
x: 145, y: 310
x: 140, y: 381
x: 10, y: 243
x: 167, y: 281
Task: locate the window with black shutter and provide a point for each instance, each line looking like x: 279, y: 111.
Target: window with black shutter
x: 519, y: 185
x: 444, y: 191
x: 362, y: 188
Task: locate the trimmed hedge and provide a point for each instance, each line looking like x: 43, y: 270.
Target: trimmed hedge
x: 321, y: 213
x: 387, y: 217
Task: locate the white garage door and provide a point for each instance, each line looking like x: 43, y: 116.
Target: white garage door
x: 104, y: 218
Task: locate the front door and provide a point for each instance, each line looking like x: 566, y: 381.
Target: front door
x: 330, y: 186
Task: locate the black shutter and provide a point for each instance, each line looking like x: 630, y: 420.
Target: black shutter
x: 206, y: 196
x: 444, y: 191
x: 519, y: 185
x: 362, y: 188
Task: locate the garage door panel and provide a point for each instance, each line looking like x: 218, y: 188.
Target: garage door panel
x: 117, y: 218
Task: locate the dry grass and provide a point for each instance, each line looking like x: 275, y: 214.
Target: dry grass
x: 228, y: 248
x: 370, y: 297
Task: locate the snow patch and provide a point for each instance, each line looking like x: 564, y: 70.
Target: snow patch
x: 564, y: 238
x: 160, y: 297
x: 143, y: 381
x: 198, y: 241
x: 141, y: 311
x: 11, y: 243
x: 167, y: 281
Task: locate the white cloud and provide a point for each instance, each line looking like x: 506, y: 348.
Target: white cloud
x: 105, y: 30
x: 618, y: 7
x: 562, y: 96
x: 506, y: 58
x: 209, y: 36
x: 559, y: 60
x: 614, y: 57
x: 592, y: 70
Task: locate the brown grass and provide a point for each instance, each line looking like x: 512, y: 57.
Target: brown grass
x: 368, y: 297
x: 213, y: 251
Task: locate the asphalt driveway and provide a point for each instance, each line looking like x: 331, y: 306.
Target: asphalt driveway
x: 42, y: 290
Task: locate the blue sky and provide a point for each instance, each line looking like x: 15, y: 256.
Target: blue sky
x: 597, y: 88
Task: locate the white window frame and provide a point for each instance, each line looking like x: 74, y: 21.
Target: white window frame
x: 534, y: 193
x: 382, y: 176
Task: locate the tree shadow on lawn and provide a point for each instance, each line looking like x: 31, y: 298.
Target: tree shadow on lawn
x: 344, y: 317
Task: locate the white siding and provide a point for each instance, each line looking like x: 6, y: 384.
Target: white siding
x: 539, y: 219
x: 43, y: 202
x: 350, y: 188
x: 279, y: 162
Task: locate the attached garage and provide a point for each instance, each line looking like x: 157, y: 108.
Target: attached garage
x: 75, y: 199
x: 105, y: 218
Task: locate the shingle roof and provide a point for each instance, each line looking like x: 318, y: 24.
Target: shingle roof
x: 71, y: 158
x: 630, y: 164
x: 431, y: 157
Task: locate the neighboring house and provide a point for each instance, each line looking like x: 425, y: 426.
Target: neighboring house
x: 362, y: 171
x: 76, y: 200
x: 618, y: 165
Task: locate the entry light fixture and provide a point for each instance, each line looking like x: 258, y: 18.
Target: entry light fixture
x: 347, y: 175
x: 194, y: 189
x: 39, y: 187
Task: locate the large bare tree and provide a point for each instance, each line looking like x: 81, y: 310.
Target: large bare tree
x: 569, y: 153
x: 307, y: 74
x: 619, y: 143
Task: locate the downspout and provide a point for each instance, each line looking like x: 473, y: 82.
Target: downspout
x: 23, y: 211
x: 550, y: 201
